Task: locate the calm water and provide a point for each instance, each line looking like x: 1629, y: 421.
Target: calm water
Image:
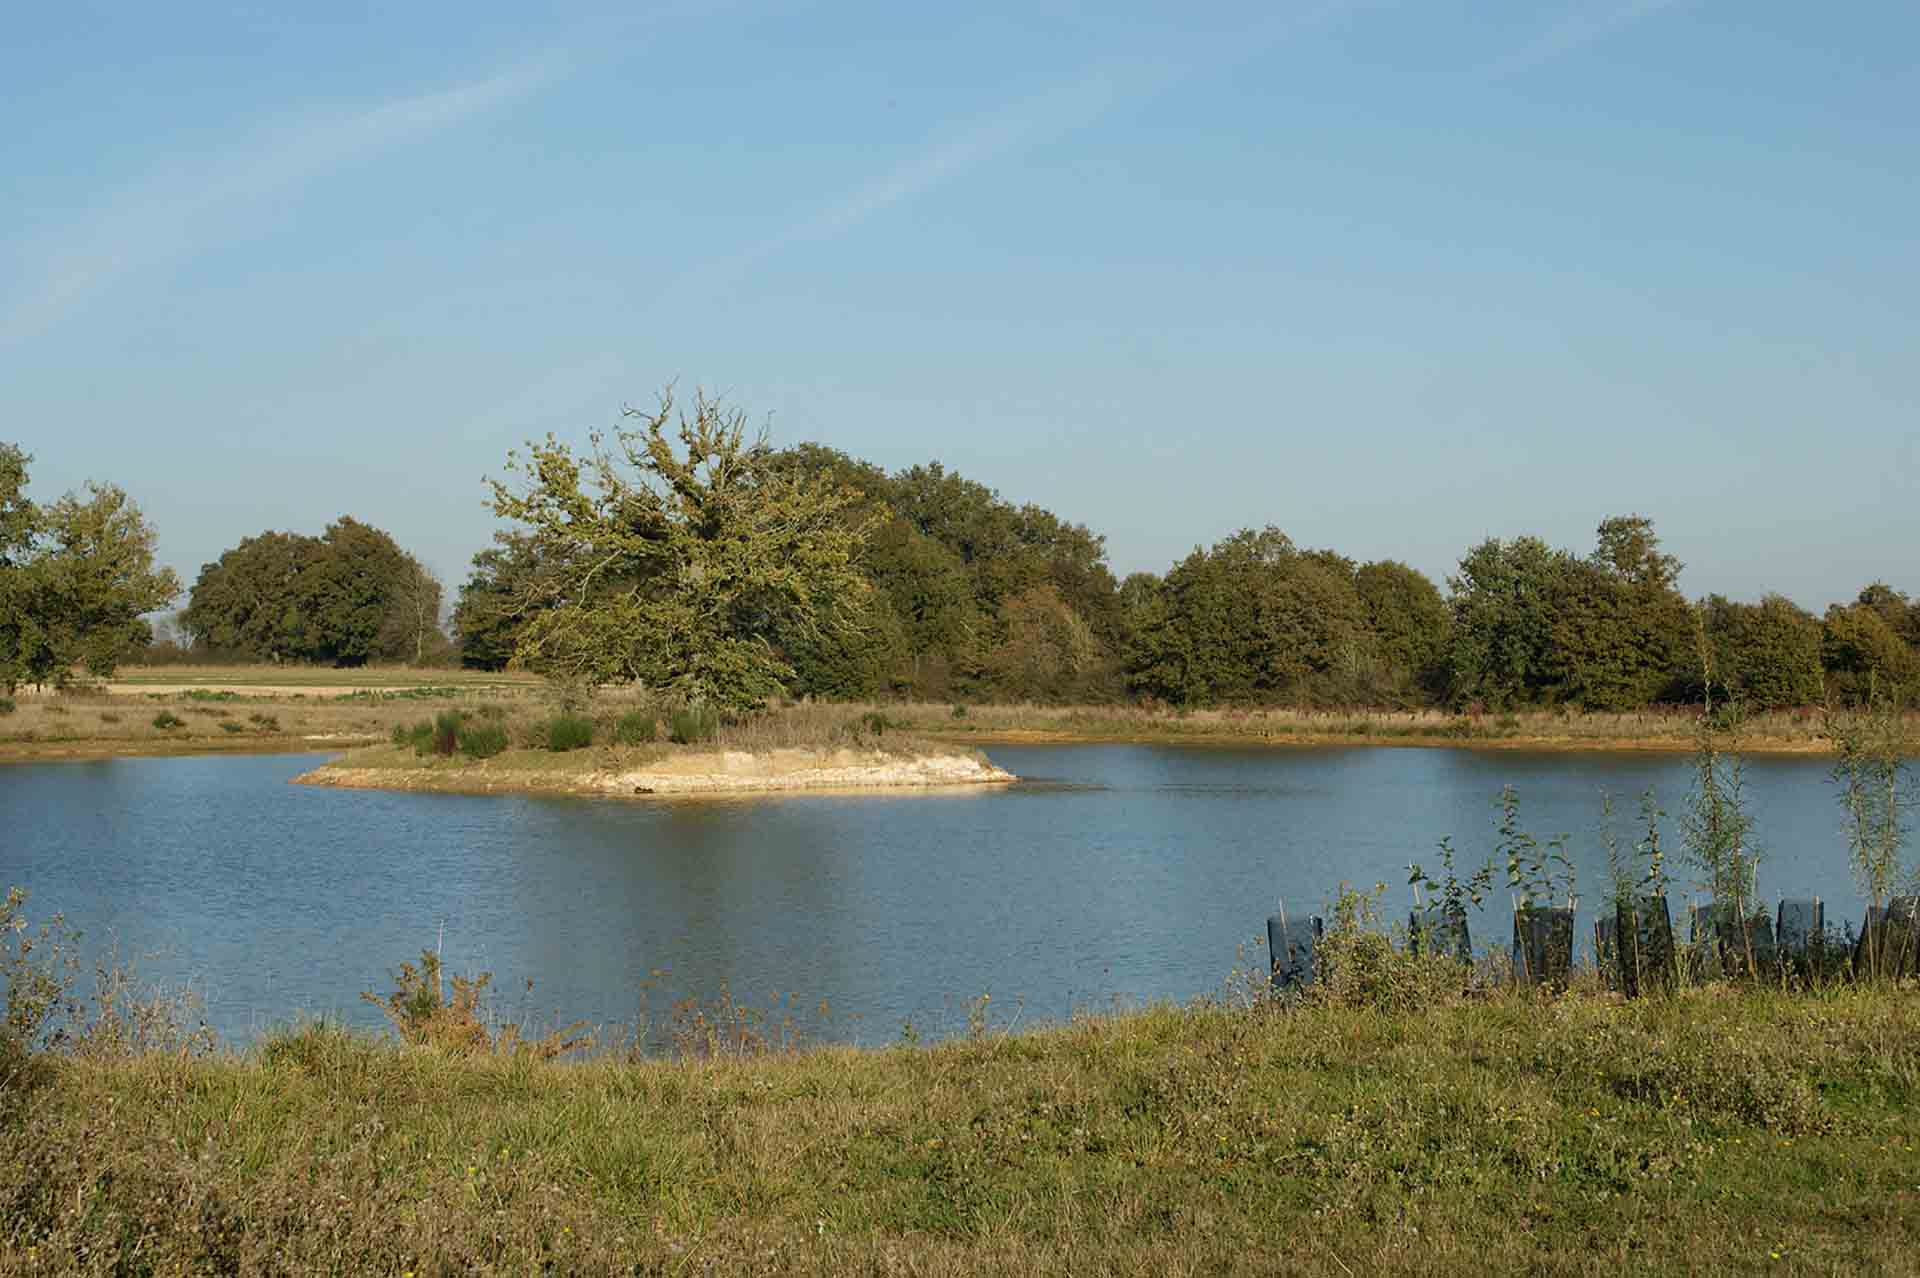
x: 1116, y: 872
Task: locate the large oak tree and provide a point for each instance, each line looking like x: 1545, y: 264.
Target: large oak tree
x: 686, y: 556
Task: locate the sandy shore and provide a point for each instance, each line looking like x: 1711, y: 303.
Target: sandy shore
x: 710, y: 774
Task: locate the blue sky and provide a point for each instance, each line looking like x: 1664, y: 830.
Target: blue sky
x: 1393, y: 277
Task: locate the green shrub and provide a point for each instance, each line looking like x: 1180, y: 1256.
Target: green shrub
x: 694, y: 724
x: 875, y: 722
x: 1361, y: 966
x: 959, y: 711
x: 8, y: 705
x: 167, y: 720
x: 636, y: 727
x: 228, y: 725
x: 419, y: 736
x: 270, y: 723
x: 446, y: 732
x: 568, y: 732
x: 482, y: 740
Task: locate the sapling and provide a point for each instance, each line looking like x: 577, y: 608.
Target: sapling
x: 1454, y: 893
x: 1716, y: 828
x: 1876, y: 794
x: 1539, y: 873
x: 1876, y: 790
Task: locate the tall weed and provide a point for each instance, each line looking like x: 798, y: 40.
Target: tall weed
x: 425, y: 1013
x: 1360, y: 964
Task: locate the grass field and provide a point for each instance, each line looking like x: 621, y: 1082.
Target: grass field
x: 1716, y: 1132
x: 216, y: 709
x: 217, y: 715
x: 271, y: 678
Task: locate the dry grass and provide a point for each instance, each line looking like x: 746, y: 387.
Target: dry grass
x: 269, y: 679
x: 92, y: 722
x: 1662, y: 728
x: 225, y: 716
x: 261, y: 708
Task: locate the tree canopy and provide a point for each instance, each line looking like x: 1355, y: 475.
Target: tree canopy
x: 349, y: 596
x: 1534, y: 625
x: 691, y: 568
x: 75, y: 578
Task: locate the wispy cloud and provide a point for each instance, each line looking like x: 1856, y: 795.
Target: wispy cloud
x: 1576, y: 31
x: 1065, y: 108
x: 170, y: 216
x: 946, y: 157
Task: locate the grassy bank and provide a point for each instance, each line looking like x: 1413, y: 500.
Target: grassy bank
x: 262, y: 708
x: 1786, y: 732
x: 1719, y: 1131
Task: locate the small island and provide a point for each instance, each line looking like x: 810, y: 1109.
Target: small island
x: 623, y: 773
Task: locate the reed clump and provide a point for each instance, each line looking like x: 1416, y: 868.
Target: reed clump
x: 564, y: 732
x: 636, y: 727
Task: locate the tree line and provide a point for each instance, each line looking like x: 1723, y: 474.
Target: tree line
x: 688, y: 554
x: 942, y: 590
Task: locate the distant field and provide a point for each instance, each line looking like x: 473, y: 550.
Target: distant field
x: 191, y: 709
x: 299, y: 707
x: 309, y: 678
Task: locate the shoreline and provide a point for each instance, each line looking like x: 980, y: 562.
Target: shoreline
x: 1567, y: 744
x: 91, y: 749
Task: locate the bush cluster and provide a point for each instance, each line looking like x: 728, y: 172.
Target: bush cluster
x: 1360, y: 964
x: 452, y: 732
x: 482, y: 740
x: 692, y: 725
x: 636, y: 727
x: 566, y: 732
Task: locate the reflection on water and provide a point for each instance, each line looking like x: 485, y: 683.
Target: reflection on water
x: 1119, y: 871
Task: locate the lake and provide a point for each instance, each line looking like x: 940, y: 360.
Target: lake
x: 1114, y: 874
